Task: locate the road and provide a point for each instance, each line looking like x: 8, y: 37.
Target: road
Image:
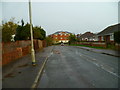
x: 72, y: 67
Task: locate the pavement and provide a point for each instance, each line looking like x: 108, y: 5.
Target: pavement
x: 102, y: 51
x: 21, y: 73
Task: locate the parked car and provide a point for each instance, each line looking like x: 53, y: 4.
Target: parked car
x: 62, y: 44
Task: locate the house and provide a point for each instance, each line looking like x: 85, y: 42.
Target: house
x: 107, y: 34
x: 87, y: 36
x: 78, y: 36
x: 60, y: 36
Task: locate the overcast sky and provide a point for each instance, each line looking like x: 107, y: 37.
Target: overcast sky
x: 75, y: 17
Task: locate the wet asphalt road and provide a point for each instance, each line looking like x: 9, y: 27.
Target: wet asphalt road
x: 72, y: 67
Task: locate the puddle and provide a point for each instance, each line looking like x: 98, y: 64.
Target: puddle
x: 9, y: 75
x: 25, y: 65
x: 56, y: 52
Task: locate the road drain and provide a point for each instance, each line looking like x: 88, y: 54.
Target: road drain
x: 19, y: 72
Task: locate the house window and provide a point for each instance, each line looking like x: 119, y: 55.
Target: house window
x: 111, y: 37
x: 102, y: 39
x: 55, y: 37
x: 61, y: 38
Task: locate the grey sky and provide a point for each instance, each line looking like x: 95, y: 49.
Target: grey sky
x: 75, y: 17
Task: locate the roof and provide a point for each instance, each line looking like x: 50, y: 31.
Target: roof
x: 60, y: 32
x: 87, y: 35
x: 110, y: 29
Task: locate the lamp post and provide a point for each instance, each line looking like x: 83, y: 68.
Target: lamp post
x: 32, y: 45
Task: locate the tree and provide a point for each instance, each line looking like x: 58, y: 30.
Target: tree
x: 22, y: 21
x: 72, y: 39
x: 23, y: 32
x: 56, y: 40
x: 18, y: 35
x: 49, y: 41
x: 39, y: 33
x: 36, y: 33
x: 43, y: 33
x: 8, y: 29
x: 117, y: 37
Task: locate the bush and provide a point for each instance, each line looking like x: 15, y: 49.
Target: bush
x: 8, y: 29
x: 117, y: 37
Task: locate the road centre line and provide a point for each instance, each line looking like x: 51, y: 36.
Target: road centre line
x: 94, y: 61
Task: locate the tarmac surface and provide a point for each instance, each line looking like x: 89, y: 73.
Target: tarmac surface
x: 73, y: 67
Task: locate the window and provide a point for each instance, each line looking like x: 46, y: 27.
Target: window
x: 111, y: 37
x: 102, y: 38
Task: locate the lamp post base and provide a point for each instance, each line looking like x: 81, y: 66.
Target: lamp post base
x: 33, y: 64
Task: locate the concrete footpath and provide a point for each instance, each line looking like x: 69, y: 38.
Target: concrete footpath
x: 21, y: 73
x: 102, y: 51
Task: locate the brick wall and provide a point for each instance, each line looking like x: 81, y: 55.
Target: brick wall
x: 117, y: 46
x: 96, y: 44
x: 14, y: 50
x: 99, y: 45
x: 44, y: 44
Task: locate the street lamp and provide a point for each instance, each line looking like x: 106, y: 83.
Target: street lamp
x: 31, y: 31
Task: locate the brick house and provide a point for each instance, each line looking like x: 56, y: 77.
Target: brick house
x: 107, y: 34
x: 60, y: 36
x: 87, y: 36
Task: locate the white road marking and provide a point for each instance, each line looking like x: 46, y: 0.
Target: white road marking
x: 104, y: 67
x: 40, y: 71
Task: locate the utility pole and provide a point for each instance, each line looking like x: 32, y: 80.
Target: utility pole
x: 32, y: 44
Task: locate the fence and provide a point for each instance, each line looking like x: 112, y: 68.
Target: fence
x: 14, y: 50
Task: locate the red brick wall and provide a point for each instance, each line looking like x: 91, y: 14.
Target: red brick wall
x: 44, y: 44
x: 96, y: 44
x: 99, y: 45
x: 11, y: 56
x: 15, y: 50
